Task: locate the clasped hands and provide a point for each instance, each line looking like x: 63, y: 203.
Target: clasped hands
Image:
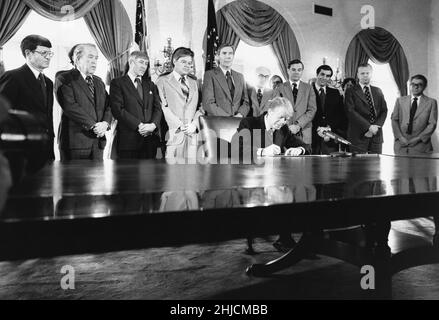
x: 146, y: 129
x: 100, y: 128
x: 274, y: 150
x: 408, y: 142
x: 373, y: 130
x: 187, y: 129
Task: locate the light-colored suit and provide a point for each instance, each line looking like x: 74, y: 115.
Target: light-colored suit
x: 217, y: 100
x: 177, y: 110
x: 258, y: 109
x: 304, y: 109
x: 424, y: 124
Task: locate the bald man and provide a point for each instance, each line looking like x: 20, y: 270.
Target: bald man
x: 260, y: 94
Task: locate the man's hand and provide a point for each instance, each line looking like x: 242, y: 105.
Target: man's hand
x: 271, y: 150
x: 368, y: 134
x: 238, y: 115
x: 146, y: 129
x: 320, y: 132
x: 404, y: 142
x: 100, y: 128
x: 294, y: 128
x: 374, y: 129
x: 189, y: 129
x: 413, y: 141
x: 294, y: 152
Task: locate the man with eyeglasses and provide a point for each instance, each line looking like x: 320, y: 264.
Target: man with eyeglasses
x: 259, y: 95
x: 86, y: 108
x: 414, y: 120
x: 28, y: 89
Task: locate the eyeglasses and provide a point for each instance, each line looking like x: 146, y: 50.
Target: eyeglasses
x: 45, y: 54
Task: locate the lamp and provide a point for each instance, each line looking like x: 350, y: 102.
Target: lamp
x: 159, y: 68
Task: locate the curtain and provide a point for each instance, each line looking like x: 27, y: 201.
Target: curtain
x: 379, y: 45
x: 61, y: 10
x: 111, y: 28
x: 12, y: 16
x: 258, y: 25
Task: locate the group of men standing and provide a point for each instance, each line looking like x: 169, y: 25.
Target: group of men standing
x: 301, y: 113
x: 314, y: 110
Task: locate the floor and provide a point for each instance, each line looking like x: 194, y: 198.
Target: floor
x: 212, y: 271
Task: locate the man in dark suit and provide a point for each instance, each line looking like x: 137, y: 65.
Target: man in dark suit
x: 330, y: 114
x: 135, y: 103
x: 366, y: 109
x: 28, y: 89
x: 269, y: 133
x: 260, y: 94
x: 224, y: 90
x: 86, y: 113
x: 303, y: 99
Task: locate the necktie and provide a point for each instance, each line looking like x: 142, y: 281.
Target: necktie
x: 184, y: 88
x: 322, y: 99
x: 230, y: 84
x: 295, y: 92
x: 259, y: 96
x: 91, y: 85
x: 372, y: 115
x: 412, y: 115
x: 43, y: 87
x: 139, y: 87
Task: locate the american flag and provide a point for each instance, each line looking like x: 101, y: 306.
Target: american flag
x: 212, y: 37
x: 140, y: 36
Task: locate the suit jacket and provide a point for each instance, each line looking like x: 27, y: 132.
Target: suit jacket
x: 424, y: 124
x: 175, y: 107
x: 217, y: 100
x: 331, y: 114
x: 129, y: 109
x: 256, y: 108
x: 80, y: 110
x: 304, y: 109
x: 24, y: 92
x: 357, y: 110
x: 260, y: 138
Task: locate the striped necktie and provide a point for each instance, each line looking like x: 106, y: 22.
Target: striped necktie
x: 139, y: 87
x: 372, y: 114
x: 184, y: 87
x: 91, y: 85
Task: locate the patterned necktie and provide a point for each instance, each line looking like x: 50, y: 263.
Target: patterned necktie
x: 412, y: 115
x: 43, y: 87
x: 322, y: 99
x: 372, y: 115
x: 184, y: 88
x: 230, y: 84
x: 295, y: 91
x: 139, y: 87
x: 91, y: 85
x: 259, y: 96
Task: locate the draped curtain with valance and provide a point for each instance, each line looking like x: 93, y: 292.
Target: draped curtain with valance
x: 382, y: 47
x: 13, y: 13
x: 258, y: 25
x: 61, y: 10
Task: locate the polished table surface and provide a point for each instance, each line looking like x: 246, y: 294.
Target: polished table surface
x: 91, y: 207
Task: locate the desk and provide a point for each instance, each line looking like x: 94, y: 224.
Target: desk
x: 84, y: 207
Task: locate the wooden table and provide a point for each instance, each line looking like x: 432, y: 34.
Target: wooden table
x: 83, y: 207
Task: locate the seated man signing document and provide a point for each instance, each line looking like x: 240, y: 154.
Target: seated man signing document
x: 269, y: 133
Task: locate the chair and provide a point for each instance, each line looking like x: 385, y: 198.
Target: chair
x: 217, y: 133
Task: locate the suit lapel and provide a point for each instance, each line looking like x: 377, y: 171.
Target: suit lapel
x: 99, y: 95
x: 221, y: 78
x: 176, y: 85
x: 422, y: 106
x: 375, y: 98
x: 130, y: 85
x: 192, y: 88
x: 359, y: 92
x: 254, y: 98
x: 34, y: 85
x: 83, y: 85
x: 147, y: 94
x: 301, y: 94
x: 289, y: 92
x: 238, y: 84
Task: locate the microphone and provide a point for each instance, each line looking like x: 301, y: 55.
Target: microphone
x: 335, y: 137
